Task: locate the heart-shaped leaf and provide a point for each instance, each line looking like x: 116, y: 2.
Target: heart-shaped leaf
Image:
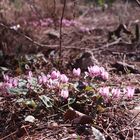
x: 46, y: 100
x: 17, y: 91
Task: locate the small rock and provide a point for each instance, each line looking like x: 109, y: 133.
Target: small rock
x: 30, y: 119
x: 87, y: 59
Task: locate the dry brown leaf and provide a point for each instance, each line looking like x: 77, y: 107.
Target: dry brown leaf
x: 77, y: 117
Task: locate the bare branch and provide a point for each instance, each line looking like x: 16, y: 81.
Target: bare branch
x: 138, y: 2
x: 60, y: 39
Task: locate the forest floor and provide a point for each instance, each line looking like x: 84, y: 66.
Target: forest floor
x: 119, y: 53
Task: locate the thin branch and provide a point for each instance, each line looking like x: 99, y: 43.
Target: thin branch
x: 54, y: 6
x: 27, y: 37
x: 138, y: 2
x: 60, y: 39
x: 134, y: 118
x: 129, y: 125
x: 75, y: 3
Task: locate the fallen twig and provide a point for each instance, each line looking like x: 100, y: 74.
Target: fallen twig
x: 9, y: 135
x: 134, y: 118
x: 27, y: 37
x: 101, y: 128
x: 124, y: 67
x: 124, y: 129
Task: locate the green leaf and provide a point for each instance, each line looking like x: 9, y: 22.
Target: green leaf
x: 46, y: 100
x: 4, y: 69
x: 17, y: 91
x: 38, y: 89
x: 35, y: 86
x: 33, y: 81
x: 88, y: 88
x: 22, y: 83
x: 31, y: 103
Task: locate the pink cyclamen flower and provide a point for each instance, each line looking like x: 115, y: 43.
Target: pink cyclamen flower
x: 104, y: 91
x: 28, y: 85
x: 64, y: 93
x: 84, y: 29
x: 30, y: 74
x: 40, y: 81
x: 55, y: 74
x: 76, y: 72
x: 115, y: 92
x: 49, y: 20
x: 8, y: 85
x: 105, y: 75
x: 44, y: 79
x: 44, y: 23
x: 15, y: 82
x: 64, y: 78
x: 94, y: 71
x: 130, y: 91
x: 6, y: 78
x: 66, y: 22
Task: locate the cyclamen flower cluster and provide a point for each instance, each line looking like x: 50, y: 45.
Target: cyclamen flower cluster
x: 48, y: 21
x: 85, y: 29
x: 53, y: 77
x: 129, y: 91
x: 10, y: 82
x: 42, y: 22
x: 115, y: 93
x: 60, y: 82
x: 96, y: 71
x: 69, y: 23
x: 55, y: 80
